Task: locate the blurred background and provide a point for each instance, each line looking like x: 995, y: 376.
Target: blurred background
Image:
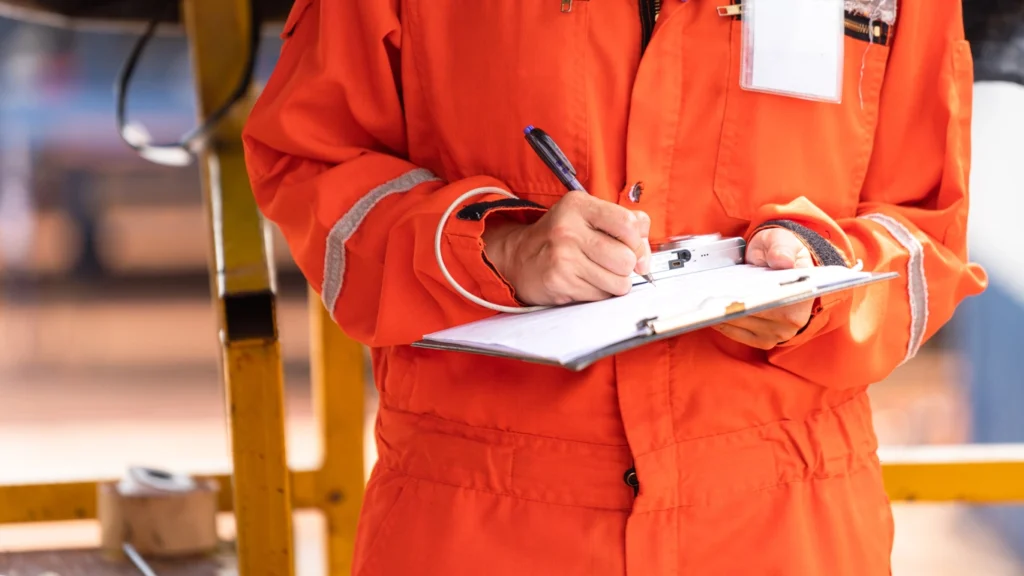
x: 108, y: 347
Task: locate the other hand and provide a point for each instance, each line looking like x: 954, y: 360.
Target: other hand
x: 583, y: 249
x: 780, y: 249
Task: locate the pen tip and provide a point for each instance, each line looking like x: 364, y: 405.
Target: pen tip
x: 650, y: 280
x: 528, y: 129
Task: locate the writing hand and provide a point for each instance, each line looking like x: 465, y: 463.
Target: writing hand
x: 583, y: 249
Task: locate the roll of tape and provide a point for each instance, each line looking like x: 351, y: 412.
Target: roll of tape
x: 140, y: 480
x: 159, y: 513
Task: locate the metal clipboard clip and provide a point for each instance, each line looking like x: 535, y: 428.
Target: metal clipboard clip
x: 720, y: 308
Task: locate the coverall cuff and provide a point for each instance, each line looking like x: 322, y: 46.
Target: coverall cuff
x: 821, y: 312
x: 823, y: 253
x: 807, y: 221
x: 463, y: 234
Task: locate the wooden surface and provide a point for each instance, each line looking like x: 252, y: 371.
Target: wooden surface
x: 93, y: 563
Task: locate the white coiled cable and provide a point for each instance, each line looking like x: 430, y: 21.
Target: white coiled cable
x: 444, y: 269
x: 465, y: 293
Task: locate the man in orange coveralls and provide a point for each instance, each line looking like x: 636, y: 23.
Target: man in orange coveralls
x: 747, y: 450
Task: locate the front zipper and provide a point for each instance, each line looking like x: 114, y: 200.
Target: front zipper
x: 649, y: 10
x: 856, y: 26
x: 864, y: 29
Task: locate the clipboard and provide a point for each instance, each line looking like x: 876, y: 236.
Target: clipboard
x: 794, y: 289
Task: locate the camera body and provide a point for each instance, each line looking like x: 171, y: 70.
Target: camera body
x: 680, y: 255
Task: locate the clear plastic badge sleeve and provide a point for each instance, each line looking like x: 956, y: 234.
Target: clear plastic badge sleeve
x: 794, y: 48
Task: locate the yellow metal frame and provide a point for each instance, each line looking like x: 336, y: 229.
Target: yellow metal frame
x: 262, y: 492
x: 244, y: 295
x: 970, y: 473
x: 335, y: 488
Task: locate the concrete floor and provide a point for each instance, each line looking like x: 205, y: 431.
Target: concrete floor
x: 88, y: 389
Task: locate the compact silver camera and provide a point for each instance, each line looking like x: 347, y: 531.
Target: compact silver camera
x: 680, y: 255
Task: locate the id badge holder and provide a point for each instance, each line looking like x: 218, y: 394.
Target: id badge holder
x: 794, y: 48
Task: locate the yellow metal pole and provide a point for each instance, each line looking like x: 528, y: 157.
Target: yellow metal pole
x: 337, y: 369
x: 976, y: 473
x: 59, y: 501
x: 245, y: 298
x: 973, y: 473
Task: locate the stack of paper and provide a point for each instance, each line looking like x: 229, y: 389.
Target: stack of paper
x: 568, y: 334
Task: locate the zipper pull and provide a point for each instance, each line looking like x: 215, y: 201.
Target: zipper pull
x: 566, y: 6
x: 730, y: 10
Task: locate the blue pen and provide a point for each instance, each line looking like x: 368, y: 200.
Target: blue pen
x: 552, y: 155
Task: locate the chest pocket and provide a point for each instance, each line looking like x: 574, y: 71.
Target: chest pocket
x: 482, y: 71
x: 774, y: 149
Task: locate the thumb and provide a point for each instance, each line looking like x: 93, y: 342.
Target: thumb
x: 643, y: 262
x: 785, y: 250
x: 643, y: 252
x: 776, y: 248
x: 757, y: 249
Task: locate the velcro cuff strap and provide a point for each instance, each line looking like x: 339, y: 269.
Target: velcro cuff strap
x: 477, y: 211
x: 825, y: 254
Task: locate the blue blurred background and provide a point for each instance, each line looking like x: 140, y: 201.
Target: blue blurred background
x: 60, y: 153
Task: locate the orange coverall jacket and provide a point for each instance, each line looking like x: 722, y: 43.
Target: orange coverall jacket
x: 380, y: 113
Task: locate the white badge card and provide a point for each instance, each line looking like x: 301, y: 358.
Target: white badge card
x: 794, y: 48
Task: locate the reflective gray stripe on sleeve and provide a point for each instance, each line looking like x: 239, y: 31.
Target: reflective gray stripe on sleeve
x: 917, y: 284
x: 346, y: 226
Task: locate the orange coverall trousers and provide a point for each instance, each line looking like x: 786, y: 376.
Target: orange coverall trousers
x: 381, y: 113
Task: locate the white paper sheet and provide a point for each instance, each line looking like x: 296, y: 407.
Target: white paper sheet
x: 565, y: 333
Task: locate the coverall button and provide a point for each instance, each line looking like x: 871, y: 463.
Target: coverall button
x: 631, y: 480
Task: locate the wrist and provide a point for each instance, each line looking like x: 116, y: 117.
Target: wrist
x: 499, y: 241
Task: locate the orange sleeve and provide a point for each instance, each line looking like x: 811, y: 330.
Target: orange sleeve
x: 325, y: 148
x: 911, y: 218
